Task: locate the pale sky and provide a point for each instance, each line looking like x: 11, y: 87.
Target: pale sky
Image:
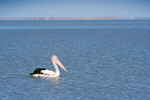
x: 74, y: 8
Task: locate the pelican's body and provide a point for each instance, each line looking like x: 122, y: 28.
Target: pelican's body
x: 42, y: 72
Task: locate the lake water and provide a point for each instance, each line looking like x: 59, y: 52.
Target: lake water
x: 106, y: 60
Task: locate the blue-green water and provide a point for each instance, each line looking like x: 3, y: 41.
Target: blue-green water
x: 106, y: 60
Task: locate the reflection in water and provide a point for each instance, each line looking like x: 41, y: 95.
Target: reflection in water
x: 54, y: 87
x: 57, y: 83
x: 56, y: 80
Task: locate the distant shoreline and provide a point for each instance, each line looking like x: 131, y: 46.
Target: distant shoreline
x: 83, y: 18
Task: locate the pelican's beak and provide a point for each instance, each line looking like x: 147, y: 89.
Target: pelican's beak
x: 60, y: 64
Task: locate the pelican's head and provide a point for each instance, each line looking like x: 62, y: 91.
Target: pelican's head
x: 56, y: 60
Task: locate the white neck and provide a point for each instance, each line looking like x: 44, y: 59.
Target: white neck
x: 56, y: 68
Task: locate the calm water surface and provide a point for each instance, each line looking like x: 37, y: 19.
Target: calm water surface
x: 106, y: 60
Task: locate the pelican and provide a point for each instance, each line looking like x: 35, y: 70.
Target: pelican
x: 42, y: 72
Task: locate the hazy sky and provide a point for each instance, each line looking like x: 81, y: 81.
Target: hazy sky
x: 74, y: 8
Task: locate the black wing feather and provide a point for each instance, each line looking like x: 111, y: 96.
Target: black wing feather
x: 37, y: 71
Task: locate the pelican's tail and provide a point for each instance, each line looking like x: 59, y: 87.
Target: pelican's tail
x: 31, y: 74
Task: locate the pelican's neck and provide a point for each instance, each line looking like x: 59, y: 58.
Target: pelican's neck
x: 56, y: 68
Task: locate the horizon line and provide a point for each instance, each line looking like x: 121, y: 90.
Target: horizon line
x: 78, y: 18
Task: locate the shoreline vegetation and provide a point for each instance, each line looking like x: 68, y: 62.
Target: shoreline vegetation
x: 82, y: 18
